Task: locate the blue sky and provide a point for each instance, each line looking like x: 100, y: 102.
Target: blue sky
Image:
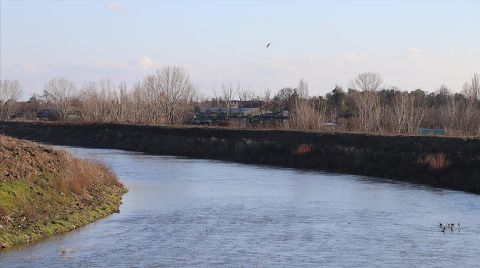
x: 413, y: 44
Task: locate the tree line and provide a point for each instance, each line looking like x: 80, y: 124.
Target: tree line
x: 168, y: 96
x: 369, y: 107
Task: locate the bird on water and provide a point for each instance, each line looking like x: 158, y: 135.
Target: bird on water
x: 451, y: 226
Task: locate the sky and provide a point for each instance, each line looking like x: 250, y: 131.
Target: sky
x: 412, y: 44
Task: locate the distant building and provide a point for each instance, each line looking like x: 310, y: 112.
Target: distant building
x: 237, y: 112
x: 243, y: 112
x: 280, y: 118
x: 431, y: 131
x: 48, y: 115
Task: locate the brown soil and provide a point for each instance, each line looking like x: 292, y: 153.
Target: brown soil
x: 45, y: 192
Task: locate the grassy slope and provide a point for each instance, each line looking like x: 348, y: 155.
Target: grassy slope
x: 45, y: 192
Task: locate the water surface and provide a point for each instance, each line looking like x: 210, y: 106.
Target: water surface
x: 189, y: 212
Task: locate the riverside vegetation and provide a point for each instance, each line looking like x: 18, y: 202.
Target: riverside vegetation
x: 45, y: 192
x: 448, y: 162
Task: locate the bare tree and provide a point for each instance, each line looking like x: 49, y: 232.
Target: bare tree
x: 170, y: 90
x: 101, y: 102
x: 266, y: 98
x: 409, y: 111
x: 307, y: 116
x: 302, y: 89
x: 368, y: 81
x: 152, y: 91
x: 369, y: 111
x: 91, y: 102
x: 10, y: 92
x: 472, y: 89
x: 121, y: 103
x: 267, y: 95
x: 244, y: 93
x: 228, y: 95
x: 471, y: 114
x: 60, y: 92
x: 141, y: 110
x: 443, y: 90
x: 450, y: 116
x: 368, y: 103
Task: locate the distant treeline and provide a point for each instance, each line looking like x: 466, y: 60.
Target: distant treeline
x: 169, y: 97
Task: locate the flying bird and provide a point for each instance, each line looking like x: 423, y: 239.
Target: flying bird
x: 268, y: 45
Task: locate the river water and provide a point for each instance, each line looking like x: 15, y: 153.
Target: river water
x: 188, y: 212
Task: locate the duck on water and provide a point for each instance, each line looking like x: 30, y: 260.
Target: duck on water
x: 450, y: 226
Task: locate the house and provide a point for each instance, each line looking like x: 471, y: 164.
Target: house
x: 280, y: 118
x: 48, y: 115
x: 431, y: 131
x: 243, y: 113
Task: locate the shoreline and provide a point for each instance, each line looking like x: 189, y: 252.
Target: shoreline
x: 18, y: 237
x: 444, y: 162
x: 44, y: 192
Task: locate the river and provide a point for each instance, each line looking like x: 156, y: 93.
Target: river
x: 190, y: 212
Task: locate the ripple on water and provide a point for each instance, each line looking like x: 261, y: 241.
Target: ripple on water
x: 188, y: 212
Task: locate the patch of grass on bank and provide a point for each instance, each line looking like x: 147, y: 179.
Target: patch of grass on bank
x: 42, y: 203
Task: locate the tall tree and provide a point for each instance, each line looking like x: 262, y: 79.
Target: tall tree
x: 10, y: 92
x: 60, y: 92
x: 471, y: 89
x: 369, y: 109
x: 171, y: 91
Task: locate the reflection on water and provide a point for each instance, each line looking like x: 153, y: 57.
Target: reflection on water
x: 189, y: 212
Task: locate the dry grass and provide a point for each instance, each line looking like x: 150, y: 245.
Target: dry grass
x: 43, y: 191
x: 22, y: 160
x: 307, y: 117
x: 79, y: 176
x: 435, y: 161
x: 303, y: 149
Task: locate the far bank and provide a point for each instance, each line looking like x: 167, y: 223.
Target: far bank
x: 447, y: 162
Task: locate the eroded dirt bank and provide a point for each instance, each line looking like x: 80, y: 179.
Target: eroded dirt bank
x: 45, y: 192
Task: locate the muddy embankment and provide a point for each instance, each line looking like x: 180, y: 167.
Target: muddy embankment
x: 447, y: 162
x: 45, y: 192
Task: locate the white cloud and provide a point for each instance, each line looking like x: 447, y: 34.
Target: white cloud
x: 114, y: 7
x: 30, y: 68
x: 354, y: 58
x: 143, y: 62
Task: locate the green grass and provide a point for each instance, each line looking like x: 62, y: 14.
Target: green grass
x: 36, y: 210
x: 45, y: 192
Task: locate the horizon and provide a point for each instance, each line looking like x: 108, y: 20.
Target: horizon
x: 413, y: 45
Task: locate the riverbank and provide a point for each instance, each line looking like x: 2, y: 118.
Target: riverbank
x: 447, y: 162
x: 45, y: 192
